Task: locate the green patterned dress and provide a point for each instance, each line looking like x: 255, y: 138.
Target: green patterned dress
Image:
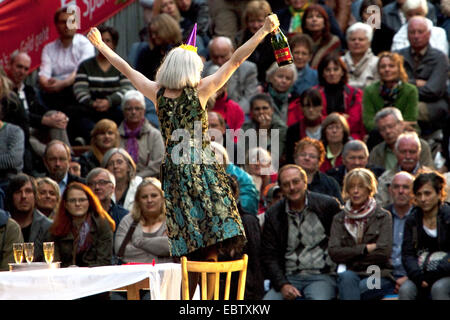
x: 200, y: 208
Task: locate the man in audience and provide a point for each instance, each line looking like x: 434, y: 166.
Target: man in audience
x: 390, y: 124
x: 21, y: 204
x: 394, y: 17
x: 45, y: 124
x: 427, y: 68
x: 407, y: 150
x: 243, y: 83
x: 103, y: 183
x: 9, y: 233
x: 60, y: 60
x: 295, y: 241
x: 402, y: 197
x: 354, y: 155
x: 57, y: 159
x: 217, y: 131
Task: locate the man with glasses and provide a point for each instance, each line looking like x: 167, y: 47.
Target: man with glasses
x: 103, y: 183
x: 294, y: 250
x: 389, y: 122
x: 309, y: 155
x: 57, y: 161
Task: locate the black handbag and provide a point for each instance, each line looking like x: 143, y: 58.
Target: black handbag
x: 435, y: 262
x: 119, y: 256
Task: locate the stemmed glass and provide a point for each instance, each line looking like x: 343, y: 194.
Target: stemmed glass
x: 29, y: 251
x: 49, y: 250
x: 18, y: 252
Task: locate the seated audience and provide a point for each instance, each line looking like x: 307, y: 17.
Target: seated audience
x: 119, y: 162
x: 407, y: 151
x: 280, y: 82
x: 9, y: 233
x: 142, y: 141
x: 48, y: 196
x: 339, y: 96
x: 361, y: 236
x: 309, y: 154
x: 82, y: 231
x: 99, y: 88
x: 390, y: 125
x: 394, y: 17
x: 335, y: 134
x: 354, y: 155
x: 20, y: 202
x: 104, y: 136
x: 361, y: 62
x: 301, y: 48
x: 295, y: 227
x: 426, y: 232
x: 392, y: 90
x: 427, y: 68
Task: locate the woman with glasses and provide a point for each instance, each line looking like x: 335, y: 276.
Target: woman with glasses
x: 143, y: 141
x: 310, y: 154
x: 119, y: 162
x: 82, y: 231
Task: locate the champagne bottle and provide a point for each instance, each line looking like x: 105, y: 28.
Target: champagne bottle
x: 281, y: 48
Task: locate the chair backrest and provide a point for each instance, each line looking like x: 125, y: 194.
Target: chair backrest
x: 216, y: 268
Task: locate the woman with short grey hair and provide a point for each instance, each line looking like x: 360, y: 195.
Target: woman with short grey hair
x: 361, y: 62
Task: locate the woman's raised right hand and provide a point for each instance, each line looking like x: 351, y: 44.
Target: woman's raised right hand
x: 95, y: 37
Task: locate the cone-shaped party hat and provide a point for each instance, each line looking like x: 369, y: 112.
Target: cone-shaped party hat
x: 190, y: 45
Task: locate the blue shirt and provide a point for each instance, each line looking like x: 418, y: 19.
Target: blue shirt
x: 398, y: 224
x: 307, y: 78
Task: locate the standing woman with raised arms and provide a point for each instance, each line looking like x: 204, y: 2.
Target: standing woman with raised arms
x: 202, y: 217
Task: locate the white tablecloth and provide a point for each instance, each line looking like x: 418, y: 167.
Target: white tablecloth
x: 74, y: 283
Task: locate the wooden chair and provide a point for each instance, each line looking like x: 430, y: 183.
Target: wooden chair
x: 133, y: 290
x: 214, y: 267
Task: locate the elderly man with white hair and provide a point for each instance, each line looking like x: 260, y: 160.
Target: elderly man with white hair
x: 360, y: 61
x: 411, y: 8
x: 143, y: 142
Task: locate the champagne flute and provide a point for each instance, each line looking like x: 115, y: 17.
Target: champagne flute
x: 49, y: 250
x: 18, y: 252
x: 29, y: 251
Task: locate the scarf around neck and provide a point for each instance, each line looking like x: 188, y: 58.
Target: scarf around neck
x: 296, y: 19
x: 131, y: 135
x: 389, y: 95
x: 82, y: 240
x: 355, y: 221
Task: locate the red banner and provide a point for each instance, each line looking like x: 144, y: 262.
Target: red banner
x: 27, y: 25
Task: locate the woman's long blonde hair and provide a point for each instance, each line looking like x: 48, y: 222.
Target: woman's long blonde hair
x: 136, y: 211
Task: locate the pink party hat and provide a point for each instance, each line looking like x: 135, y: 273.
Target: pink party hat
x: 190, y: 45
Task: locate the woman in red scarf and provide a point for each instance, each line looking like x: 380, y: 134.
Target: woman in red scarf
x: 361, y: 241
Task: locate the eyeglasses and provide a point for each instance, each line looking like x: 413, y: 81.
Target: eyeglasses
x: 100, y: 183
x: 129, y: 109
x: 77, y: 200
x: 308, y: 155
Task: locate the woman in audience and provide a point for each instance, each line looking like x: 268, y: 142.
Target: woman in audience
x: 339, y: 96
x: 142, y: 141
x: 310, y: 154
x: 335, y: 134
x: 309, y: 124
x: 280, y: 81
x: 149, y: 239
x: 104, y: 136
x: 119, y: 162
x: 426, y: 241
x: 48, y: 196
x: 253, y: 18
x: 360, y: 239
x: 392, y: 90
x: 82, y: 231
x: 302, y: 48
x: 360, y: 61
x: 316, y: 24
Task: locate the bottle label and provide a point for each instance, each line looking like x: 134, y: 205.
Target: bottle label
x: 282, y: 55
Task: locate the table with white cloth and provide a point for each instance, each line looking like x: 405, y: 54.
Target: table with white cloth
x: 78, y: 282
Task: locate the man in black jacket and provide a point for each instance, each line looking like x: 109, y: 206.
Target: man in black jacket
x: 294, y: 251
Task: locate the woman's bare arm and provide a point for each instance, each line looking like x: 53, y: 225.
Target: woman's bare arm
x: 212, y: 83
x: 143, y: 84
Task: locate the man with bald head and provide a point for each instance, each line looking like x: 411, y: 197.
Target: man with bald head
x: 243, y: 83
x: 407, y: 150
x: 402, y: 196
x: 427, y: 68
